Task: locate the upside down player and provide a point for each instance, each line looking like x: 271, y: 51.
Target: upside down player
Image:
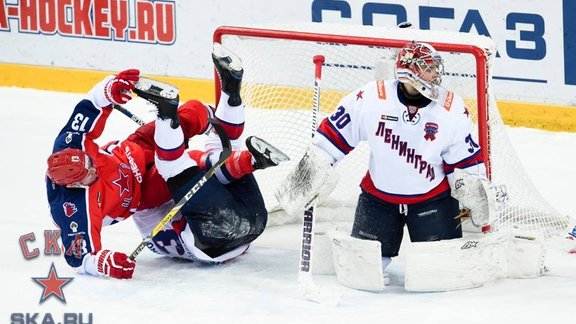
x: 89, y: 187
x: 418, y: 134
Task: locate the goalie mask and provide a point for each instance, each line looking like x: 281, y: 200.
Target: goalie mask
x: 421, y: 66
x: 72, y: 168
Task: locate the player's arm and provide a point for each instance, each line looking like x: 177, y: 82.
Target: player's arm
x: 336, y: 136
x: 466, y: 171
x: 70, y: 209
x: 89, y: 116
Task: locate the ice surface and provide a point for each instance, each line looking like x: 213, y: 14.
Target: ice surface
x: 261, y: 286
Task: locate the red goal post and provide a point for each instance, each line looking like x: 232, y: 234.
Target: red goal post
x: 277, y: 90
x: 479, y: 54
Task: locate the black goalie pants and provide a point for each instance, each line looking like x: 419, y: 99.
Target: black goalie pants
x: 432, y: 220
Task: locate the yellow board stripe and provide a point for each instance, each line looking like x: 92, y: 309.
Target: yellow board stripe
x: 81, y: 81
x: 547, y: 117
x: 541, y: 116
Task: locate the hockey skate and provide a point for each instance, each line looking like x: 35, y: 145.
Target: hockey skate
x: 230, y: 71
x: 265, y: 155
x: 162, y: 95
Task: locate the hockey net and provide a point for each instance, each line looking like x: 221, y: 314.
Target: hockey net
x: 278, y: 91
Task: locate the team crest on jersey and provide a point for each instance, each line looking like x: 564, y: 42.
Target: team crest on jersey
x: 69, y: 209
x: 411, y: 115
x: 430, y: 130
x: 74, y: 227
x: 68, y: 138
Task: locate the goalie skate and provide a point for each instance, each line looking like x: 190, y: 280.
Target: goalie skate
x: 265, y: 155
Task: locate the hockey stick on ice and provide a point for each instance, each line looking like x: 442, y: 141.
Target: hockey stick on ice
x: 306, y: 285
x: 226, y: 150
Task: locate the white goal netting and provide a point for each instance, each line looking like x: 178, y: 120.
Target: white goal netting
x: 278, y: 92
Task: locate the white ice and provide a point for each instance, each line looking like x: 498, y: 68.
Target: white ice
x: 259, y: 287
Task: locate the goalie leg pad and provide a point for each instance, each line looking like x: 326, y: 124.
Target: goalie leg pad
x: 471, y: 262
x: 357, y: 262
x: 454, y: 264
x: 526, y: 257
x: 322, y: 260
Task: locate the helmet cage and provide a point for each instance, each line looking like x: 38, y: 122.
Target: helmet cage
x: 414, y: 65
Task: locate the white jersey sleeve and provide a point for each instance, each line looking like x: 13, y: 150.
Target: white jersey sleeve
x: 339, y: 133
x: 463, y: 152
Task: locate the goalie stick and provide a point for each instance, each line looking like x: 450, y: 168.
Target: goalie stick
x: 306, y: 285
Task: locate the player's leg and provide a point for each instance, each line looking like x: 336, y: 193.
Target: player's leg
x: 214, y: 216
x: 260, y: 155
x: 379, y: 221
x: 242, y: 196
x: 230, y: 110
x: 434, y: 220
x: 247, y: 193
x: 193, y: 116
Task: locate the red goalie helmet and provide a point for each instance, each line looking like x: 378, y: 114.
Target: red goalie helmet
x: 421, y: 66
x: 71, y: 167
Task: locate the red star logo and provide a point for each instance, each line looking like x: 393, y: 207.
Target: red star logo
x: 122, y: 182
x: 466, y: 112
x: 359, y: 95
x: 52, y: 285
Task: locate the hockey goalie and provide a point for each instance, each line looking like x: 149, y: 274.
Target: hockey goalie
x: 425, y: 167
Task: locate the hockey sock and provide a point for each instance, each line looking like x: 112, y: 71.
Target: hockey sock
x: 239, y: 164
x: 169, y: 149
x: 236, y: 166
x: 231, y: 118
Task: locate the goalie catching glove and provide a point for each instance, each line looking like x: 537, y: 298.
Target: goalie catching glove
x: 312, y: 175
x: 477, y: 196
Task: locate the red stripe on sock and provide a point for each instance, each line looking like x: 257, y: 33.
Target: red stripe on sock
x: 239, y: 164
x: 234, y: 131
x: 200, y: 158
x: 169, y: 155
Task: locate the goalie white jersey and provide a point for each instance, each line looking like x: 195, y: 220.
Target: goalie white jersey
x: 413, y: 149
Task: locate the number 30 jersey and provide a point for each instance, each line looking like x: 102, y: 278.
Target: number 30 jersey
x: 413, y: 150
